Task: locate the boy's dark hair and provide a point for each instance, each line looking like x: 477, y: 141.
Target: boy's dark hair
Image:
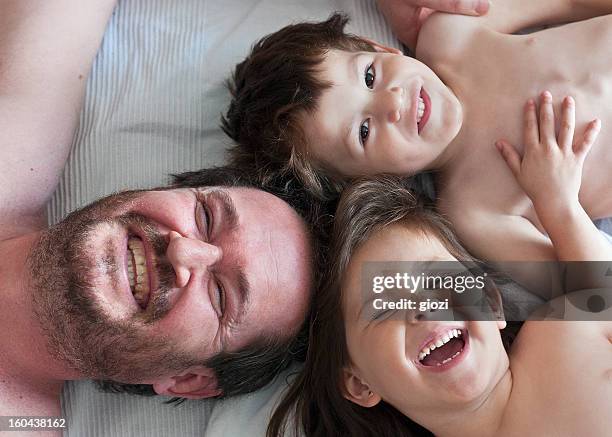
x: 271, y: 89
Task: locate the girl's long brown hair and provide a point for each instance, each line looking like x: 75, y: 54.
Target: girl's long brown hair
x: 314, y: 405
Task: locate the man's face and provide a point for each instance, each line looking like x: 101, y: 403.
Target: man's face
x: 384, y: 112
x: 141, y: 284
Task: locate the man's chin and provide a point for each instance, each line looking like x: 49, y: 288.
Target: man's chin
x: 83, y: 301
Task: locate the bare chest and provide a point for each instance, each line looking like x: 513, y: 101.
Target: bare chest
x: 571, y: 60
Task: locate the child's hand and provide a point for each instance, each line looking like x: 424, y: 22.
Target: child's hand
x: 407, y: 16
x: 550, y: 171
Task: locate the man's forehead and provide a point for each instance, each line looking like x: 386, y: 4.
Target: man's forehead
x: 238, y: 192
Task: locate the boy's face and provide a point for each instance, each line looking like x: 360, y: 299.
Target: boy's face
x: 385, y: 112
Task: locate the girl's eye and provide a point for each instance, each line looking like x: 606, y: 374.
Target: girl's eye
x: 384, y: 315
x: 370, y: 76
x: 364, y: 131
x: 380, y: 315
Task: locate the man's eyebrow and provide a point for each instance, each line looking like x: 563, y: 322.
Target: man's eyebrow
x: 230, y: 216
x: 244, y: 295
x: 242, y: 298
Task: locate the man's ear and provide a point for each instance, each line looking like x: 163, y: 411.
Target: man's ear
x: 195, y: 383
x: 357, y: 391
x: 382, y: 48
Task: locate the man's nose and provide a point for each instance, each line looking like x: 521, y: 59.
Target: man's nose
x: 390, y: 104
x: 188, y: 255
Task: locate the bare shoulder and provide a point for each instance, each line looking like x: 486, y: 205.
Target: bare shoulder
x: 447, y: 36
x: 19, y: 399
x: 552, y: 376
x: 555, y: 351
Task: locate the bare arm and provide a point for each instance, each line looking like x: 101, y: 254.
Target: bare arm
x: 406, y: 17
x: 46, y: 51
x: 508, y: 16
x: 502, y: 239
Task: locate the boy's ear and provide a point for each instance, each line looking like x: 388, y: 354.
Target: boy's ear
x: 195, y: 383
x: 357, y: 391
x: 382, y: 48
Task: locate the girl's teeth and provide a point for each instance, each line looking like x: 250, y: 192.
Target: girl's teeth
x: 440, y: 342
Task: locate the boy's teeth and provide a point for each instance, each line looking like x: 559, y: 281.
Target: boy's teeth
x: 420, y: 109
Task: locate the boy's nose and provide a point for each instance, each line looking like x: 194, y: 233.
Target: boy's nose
x: 392, y: 104
x: 190, y: 255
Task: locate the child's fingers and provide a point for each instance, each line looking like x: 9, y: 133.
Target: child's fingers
x: 510, y: 155
x: 568, y: 123
x: 588, y: 139
x: 547, y: 119
x: 531, y: 131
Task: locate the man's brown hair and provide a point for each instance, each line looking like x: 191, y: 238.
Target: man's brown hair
x: 275, y: 85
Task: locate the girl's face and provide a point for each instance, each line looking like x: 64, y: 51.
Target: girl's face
x: 389, y: 358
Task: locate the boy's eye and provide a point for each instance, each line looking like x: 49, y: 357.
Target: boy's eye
x: 370, y: 76
x: 364, y: 131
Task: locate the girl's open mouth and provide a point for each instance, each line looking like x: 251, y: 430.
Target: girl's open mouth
x: 444, y: 351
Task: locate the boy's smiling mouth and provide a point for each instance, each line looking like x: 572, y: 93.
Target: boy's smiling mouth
x: 423, y: 109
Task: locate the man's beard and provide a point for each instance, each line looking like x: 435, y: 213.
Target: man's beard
x: 78, y: 331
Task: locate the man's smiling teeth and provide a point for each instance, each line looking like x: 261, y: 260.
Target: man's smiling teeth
x: 139, y: 279
x: 420, y: 109
x: 453, y: 333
